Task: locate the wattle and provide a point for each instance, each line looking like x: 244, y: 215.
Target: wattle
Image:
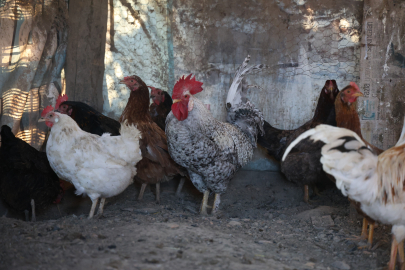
x: 180, y: 111
x: 49, y: 124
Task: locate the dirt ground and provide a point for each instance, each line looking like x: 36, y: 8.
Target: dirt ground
x: 263, y: 224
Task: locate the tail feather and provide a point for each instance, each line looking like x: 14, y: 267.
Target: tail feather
x: 234, y: 93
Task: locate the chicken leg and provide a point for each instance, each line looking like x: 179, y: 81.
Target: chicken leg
x: 158, y: 193
x: 142, y: 191
x: 364, y: 229
x: 394, y: 251
x: 180, y: 186
x: 33, y: 218
x: 101, y: 208
x: 204, y: 203
x: 215, y: 206
x: 93, y: 207
x: 401, y: 255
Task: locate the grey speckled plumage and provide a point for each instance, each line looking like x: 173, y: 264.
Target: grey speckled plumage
x: 211, y: 150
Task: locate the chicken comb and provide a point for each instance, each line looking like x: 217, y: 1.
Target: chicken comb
x: 354, y: 85
x: 47, y: 109
x: 61, y: 98
x: 184, y: 84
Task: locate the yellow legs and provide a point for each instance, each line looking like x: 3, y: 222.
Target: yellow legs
x: 215, y: 206
x: 182, y: 180
x: 204, y: 203
x: 364, y: 229
x: 93, y: 208
x: 100, y: 208
x: 142, y: 191
x: 394, y: 251
x: 143, y: 187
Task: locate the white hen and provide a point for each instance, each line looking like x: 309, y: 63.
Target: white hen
x: 100, y: 167
x: 377, y: 182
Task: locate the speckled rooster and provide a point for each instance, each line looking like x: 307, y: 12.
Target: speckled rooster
x: 211, y: 150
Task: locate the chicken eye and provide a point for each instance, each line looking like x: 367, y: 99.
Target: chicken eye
x: 186, y: 96
x: 348, y: 91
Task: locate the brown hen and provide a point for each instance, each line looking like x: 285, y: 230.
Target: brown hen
x: 156, y: 165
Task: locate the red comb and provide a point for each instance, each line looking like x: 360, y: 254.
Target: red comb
x: 184, y: 84
x: 47, y: 109
x: 354, y: 85
x: 61, y: 98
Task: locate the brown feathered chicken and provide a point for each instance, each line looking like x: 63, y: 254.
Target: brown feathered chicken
x: 347, y: 117
x: 276, y: 140
x: 156, y: 165
x: 302, y: 166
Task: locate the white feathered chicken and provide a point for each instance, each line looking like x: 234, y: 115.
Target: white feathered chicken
x: 99, y: 166
x: 212, y: 151
x: 377, y: 182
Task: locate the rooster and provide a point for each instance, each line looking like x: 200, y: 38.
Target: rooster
x: 156, y: 165
x: 87, y: 117
x: 211, y: 150
x: 160, y: 107
x: 27, y: 181
x: 376, y: 182
x: 99, y: 166
x: 302, y: 166
x: 276, y: 140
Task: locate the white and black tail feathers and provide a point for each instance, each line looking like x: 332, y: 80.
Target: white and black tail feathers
x: 241, y: 112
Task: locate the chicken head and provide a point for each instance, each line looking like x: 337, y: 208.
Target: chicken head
x: 132, y: 82
x: 350, y: 93
x: 157, y: 95
x: 49, y: 116
x: 183, y: 91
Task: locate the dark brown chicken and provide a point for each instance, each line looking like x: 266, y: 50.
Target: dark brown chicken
x: 276, y: 140
x: 302, y: 166
x: 156, y: 165
x: 161, y: 106
x: 87, y: 117
x: 27, y: 181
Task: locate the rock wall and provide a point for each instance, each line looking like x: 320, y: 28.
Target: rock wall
x: 304, y: 43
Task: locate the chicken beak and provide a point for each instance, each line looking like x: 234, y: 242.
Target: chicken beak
x: 41, y: 119
x: 359, y: 94
x: 176, y: 100
x: 122, y: 82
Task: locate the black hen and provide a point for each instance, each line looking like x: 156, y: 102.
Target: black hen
x: 25, y: 175
x: 87, y: 117
x: 161, y: 106
x: 276, y: 140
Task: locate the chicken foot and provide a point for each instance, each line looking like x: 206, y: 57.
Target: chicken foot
x: 33, y: 218
x: 142, y: 191
x: 180, y: 186
x: 93, y: 208
x: 203, y: 210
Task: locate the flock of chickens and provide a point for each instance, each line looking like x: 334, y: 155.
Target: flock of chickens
x: 178, y: 136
